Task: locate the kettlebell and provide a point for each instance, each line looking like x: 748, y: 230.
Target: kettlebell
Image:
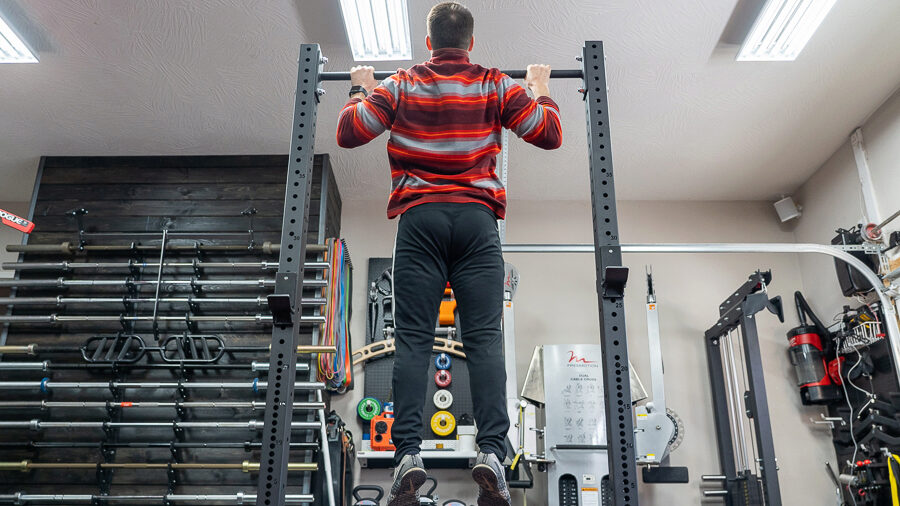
x: 429, y: 499
x: 370, y: 500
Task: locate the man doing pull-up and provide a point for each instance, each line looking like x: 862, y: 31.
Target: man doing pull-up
x: 445, y: 118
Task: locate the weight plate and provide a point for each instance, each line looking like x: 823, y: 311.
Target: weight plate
x: 442, y: 378
x: 368, y: 408
x: 443, y: 423
x: 442, y: 361
x: 443, y: 399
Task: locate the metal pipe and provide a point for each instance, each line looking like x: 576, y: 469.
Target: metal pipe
x: 162, y: 256
x: 715, y: 493
x: 713, y: 477
x: 256, y: 405
x: 37, y: 425
x: 34, y: 349
x: 245, y: 466
x: 54, y: 318
x: 47, y: 365
x: 733, y: 419
x: 46, y: 385
x: 61, y: 301
x: 68, y: 266
x: 326, y: 449
x: 245, y: 445
x: 515, y: 74
x: 72, y: 248
x: 65, y: 283
x: 238, y: 498
x: 734, y: 383
x: 885, y: 222
x: 891, y: 325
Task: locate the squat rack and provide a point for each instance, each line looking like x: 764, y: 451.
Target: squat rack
x: 611, y: 276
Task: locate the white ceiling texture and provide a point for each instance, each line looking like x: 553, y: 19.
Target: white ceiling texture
x: 179, y: 77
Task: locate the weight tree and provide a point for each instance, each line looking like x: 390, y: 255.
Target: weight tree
x: 611, y: 276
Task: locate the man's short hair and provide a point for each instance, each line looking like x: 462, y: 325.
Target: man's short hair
x: 450, y: 25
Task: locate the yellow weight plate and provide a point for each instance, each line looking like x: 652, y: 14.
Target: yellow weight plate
x: 443, y: 423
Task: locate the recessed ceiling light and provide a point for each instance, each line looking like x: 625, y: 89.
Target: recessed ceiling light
x: 12, y: 48
x: 783, y: 28
x: 377, y: 29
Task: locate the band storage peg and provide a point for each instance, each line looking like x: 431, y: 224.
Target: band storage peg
x: 368, y: 408
x: 443, y: 423
x: 443, y: 399
x: 442, y: 378
x: 443, y: 361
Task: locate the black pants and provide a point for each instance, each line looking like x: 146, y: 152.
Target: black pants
x: 436, y: 243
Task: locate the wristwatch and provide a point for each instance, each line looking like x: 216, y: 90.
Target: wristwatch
x: 358, y: 89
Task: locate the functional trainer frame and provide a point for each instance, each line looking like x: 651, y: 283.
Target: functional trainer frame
x: 741, y: 485
x: 611, y: 276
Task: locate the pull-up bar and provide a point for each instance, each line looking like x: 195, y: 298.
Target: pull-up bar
x: 515, y: 74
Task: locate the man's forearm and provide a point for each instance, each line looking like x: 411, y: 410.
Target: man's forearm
x: 360, y: 95
x: 541, y: 91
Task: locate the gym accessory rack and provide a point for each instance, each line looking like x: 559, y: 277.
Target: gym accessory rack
x: 155, y: 293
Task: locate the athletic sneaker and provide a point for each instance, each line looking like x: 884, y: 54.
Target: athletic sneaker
x: 490, y: 475
x: 408, y: 477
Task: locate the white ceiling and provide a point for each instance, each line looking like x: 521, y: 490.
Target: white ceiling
x: 130, y: 77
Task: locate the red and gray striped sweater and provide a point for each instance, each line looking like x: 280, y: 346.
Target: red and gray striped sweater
x: 445, y: 117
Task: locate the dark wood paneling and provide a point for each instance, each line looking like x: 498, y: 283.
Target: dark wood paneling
x: 144, y: 194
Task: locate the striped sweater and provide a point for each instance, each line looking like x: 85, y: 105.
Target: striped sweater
x: 445, y: 117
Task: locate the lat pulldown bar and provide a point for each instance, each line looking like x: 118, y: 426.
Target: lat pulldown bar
x: 238, y: 498
x: 246, y: 466
x: 36, y: 425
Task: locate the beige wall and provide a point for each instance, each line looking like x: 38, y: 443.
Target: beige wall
x: 831, y: 198
x: 556, y: 302
x: 10, y: 235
